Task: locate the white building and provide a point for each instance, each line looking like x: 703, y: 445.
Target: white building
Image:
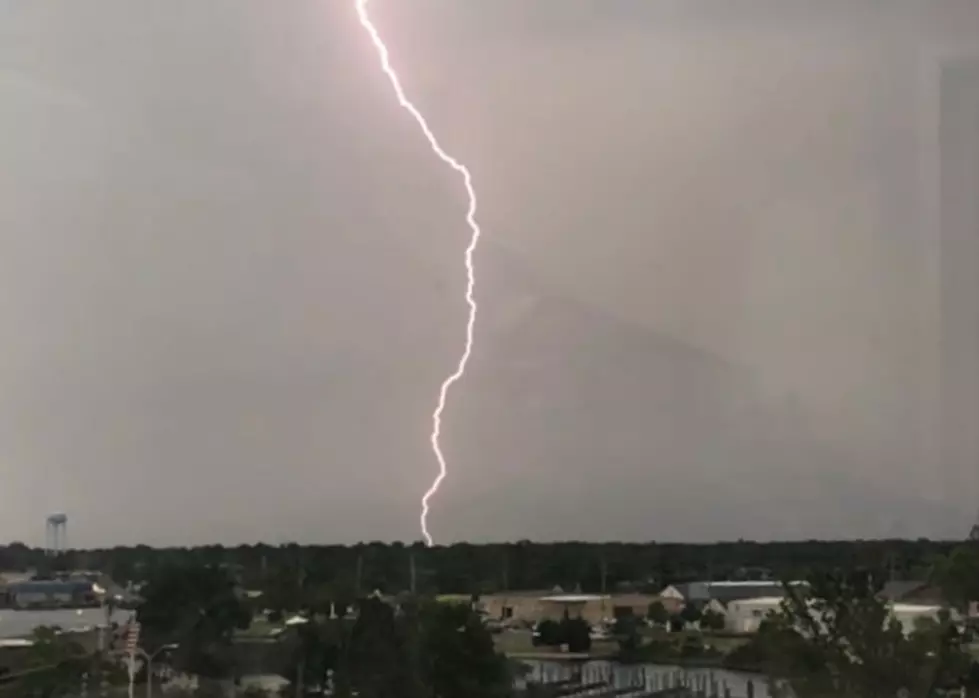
x: 717, y: 596
x: 910, y: 614
x: 746, y: 615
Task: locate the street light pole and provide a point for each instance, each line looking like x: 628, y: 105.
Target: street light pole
x: 149, y: 665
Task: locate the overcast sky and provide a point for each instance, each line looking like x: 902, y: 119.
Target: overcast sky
x: 230, y: 271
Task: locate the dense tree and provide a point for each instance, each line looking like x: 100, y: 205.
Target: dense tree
x: 712, y: 620
x: 419, y: 649
x: 657, y: 613
x: 191, y: 600
x: 958, y: 575
x: 197, y: 608
x: 840, y: 639
x: 315, y: 651
x: 576, y: 634
x: 378, y: 657
x: 548, y: 633
x: 626, y: 632
x: 55, y: 664
x: 690, y: 614
x: 468, y: 568
x: 458, y: 654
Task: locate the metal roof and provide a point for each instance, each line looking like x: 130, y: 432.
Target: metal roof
x: 49, y: 586
x: 761, y: 601
x: 897, y: 590
x: 573, y: 598
x: 701, y: 592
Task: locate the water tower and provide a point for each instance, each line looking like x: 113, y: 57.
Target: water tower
x: 56, y: 534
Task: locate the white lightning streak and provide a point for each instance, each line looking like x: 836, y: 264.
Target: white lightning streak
x: 407, y: 105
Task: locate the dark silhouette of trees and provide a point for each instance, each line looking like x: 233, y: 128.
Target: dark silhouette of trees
x: 712, y: 620
x: 458, y: 655
x: 840, y: 639
x: 414, y: 649
x: 576, y: 634
x: 626, y: 632
x: 549, y: 633
x: 197, y: 608
x: 958, y: 575
x: 194, y: 598
x: 54, y: 664
x: 690, y: 614
x: 657, y: 613
x: 356, y: 570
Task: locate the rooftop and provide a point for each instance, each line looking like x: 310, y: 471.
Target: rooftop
x: 50, y: 585
x: 725, y: 591
x: 761, y: 601
x: 749, y: 584
x: 914, y: 608
x: 521, y: 594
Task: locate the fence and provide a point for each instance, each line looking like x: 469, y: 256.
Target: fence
x: 603, y: 682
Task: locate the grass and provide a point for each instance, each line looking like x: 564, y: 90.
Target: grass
x: 520, y: 642
x: 725, y: 643
x: 722, y: 641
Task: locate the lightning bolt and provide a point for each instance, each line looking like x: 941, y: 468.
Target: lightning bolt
x: 475, y: 233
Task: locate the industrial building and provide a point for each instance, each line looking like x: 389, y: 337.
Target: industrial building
x: 702, y: 593
x: 747, y: 615
x: 52, y: 593
x: 77, y: 589
x: 529, y: 607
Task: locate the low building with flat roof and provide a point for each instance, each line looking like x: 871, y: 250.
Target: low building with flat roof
x: 53, y: 593
x: 718, y: 595
x: 593, y: 608
x: 512, y: 607
x: 747, y: 615
x: 529, y: 607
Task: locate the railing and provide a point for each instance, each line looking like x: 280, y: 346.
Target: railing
x: 602, y: 682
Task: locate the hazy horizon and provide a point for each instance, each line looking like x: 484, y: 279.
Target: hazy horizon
x: 722, y: 294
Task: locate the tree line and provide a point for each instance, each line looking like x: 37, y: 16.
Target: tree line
x: 836, y: 637
x: 471, y: 568
x: 838, y: 640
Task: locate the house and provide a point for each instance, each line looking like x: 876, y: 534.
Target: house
x: 676, y: 596
x: 747, y: 615
x: 909, y: 615
x: 512, y: 606
x: 700, y: 594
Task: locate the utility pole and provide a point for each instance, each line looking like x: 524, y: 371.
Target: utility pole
x: 412, y: 572
x: 604, y: 578
x: 300, y: 674
x: 506, y: 571
x: 300, y: 573
x: 360, y: 573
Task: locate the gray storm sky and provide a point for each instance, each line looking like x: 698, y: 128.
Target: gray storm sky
x: 230, y: 270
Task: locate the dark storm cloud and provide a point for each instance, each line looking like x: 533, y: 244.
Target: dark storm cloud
x: 232, y: 271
